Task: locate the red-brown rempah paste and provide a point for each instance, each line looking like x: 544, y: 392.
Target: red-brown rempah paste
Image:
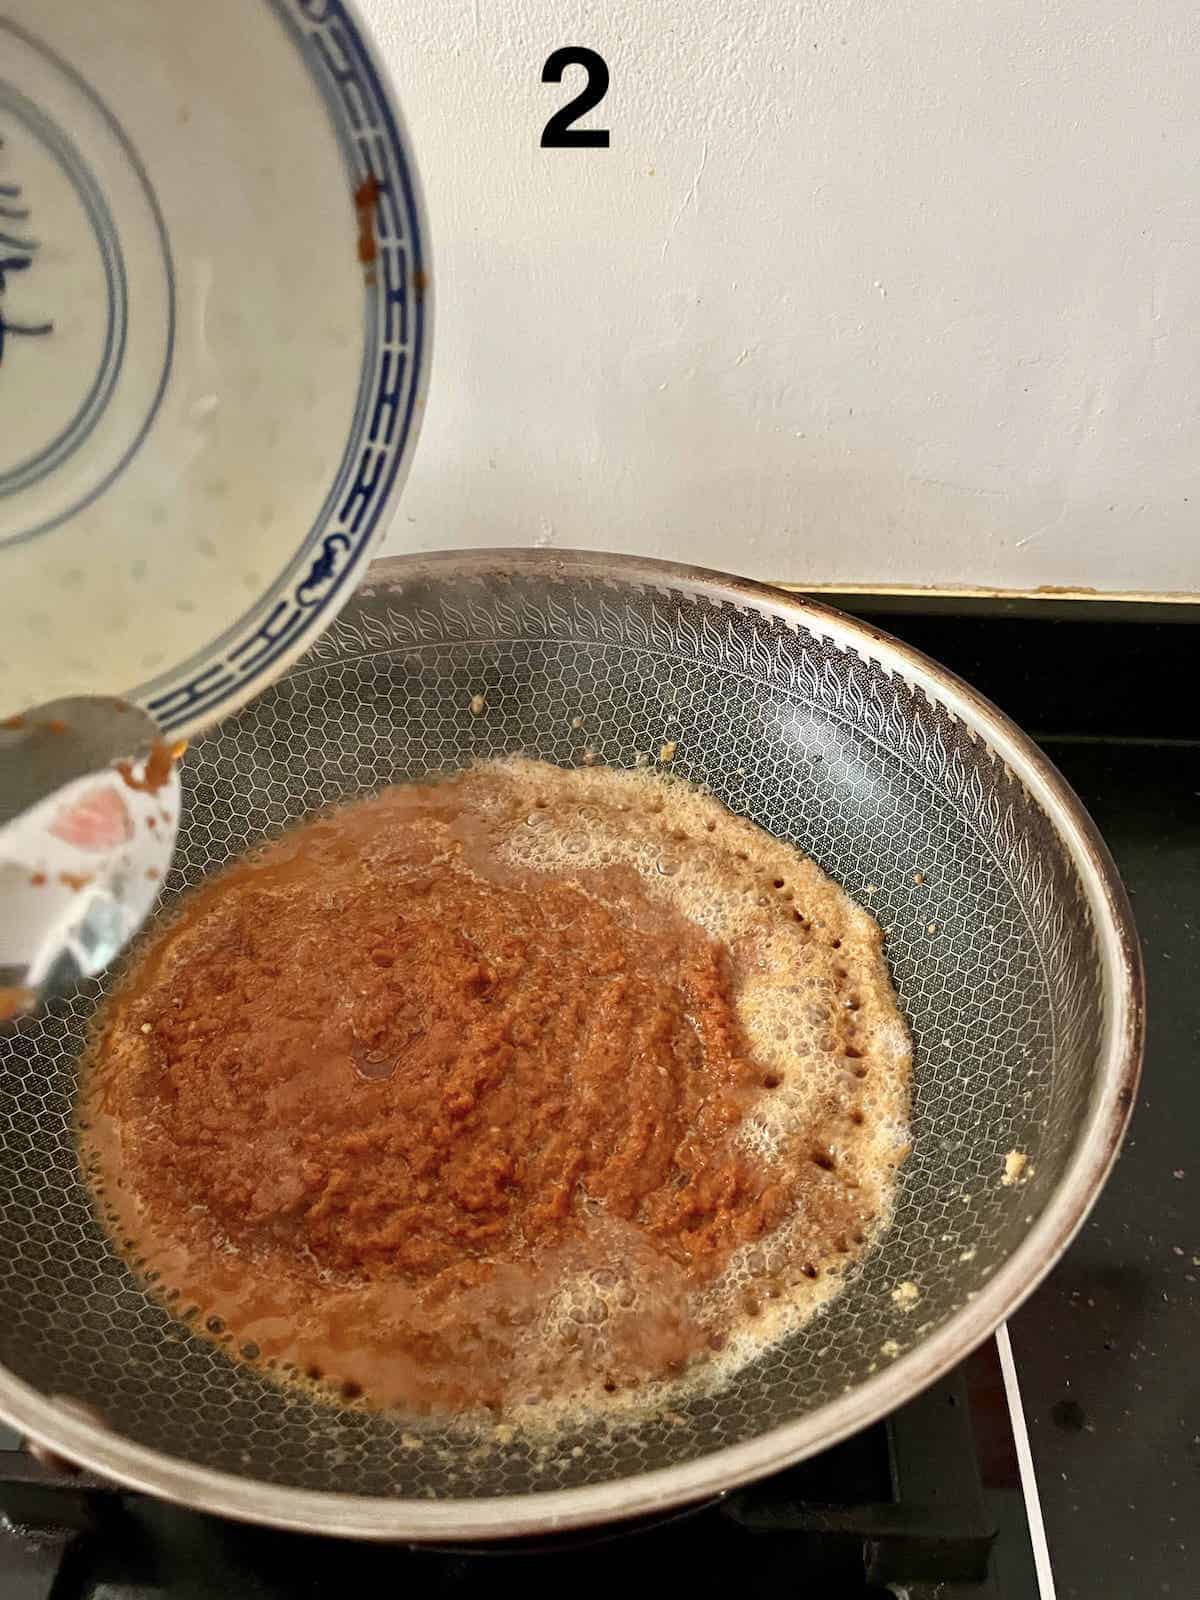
x: 526, y: 1086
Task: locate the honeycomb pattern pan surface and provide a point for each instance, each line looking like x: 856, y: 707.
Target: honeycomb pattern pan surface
x: 1008, y: 937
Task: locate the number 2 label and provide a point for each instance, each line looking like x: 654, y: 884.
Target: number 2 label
x: 560, y: 132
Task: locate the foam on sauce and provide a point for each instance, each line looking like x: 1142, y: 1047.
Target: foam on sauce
x: 687, y: 1126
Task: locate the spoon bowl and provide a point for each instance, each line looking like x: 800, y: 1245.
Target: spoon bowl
x: 89, y: 811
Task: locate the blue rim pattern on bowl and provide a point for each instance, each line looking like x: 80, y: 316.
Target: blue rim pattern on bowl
x: 305, y: 597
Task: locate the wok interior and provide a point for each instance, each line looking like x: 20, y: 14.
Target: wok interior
x: 993, y: 955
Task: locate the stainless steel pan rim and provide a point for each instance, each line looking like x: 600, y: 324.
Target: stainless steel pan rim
x: 107, y: 1454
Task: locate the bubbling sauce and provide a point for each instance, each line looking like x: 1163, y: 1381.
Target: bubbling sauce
x: 527, y: 1088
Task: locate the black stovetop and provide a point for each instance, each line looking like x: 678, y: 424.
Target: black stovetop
x: 930, y: 1506
x: 1106, y: 1349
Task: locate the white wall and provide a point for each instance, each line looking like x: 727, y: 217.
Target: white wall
x: 881, y: 291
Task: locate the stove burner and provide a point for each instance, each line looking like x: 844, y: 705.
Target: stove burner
x: 899, y: 1509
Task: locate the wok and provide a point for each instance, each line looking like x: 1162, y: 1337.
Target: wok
x: 1008, y: 936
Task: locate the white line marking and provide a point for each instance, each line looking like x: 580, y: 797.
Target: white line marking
x: 1029, y: 1488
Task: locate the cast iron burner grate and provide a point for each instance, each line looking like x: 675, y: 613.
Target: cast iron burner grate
x: 899, y: 1510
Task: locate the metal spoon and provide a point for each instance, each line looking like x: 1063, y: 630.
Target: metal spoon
x: 89, y: 810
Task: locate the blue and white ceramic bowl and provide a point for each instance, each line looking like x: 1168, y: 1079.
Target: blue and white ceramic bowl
x: 214, y: 341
